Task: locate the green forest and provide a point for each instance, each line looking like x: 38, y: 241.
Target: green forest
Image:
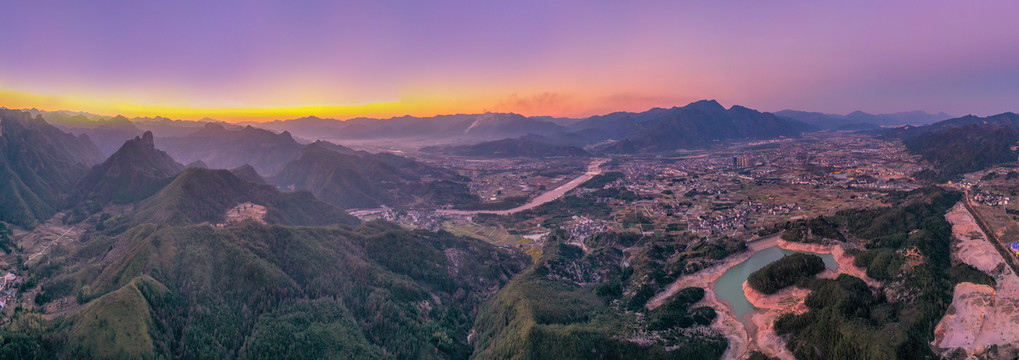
x: 790, y: 269
x: 848, y: 320
x: 573, y: 305
x: 264, y: 291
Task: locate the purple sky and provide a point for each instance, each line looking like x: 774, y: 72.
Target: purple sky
x: 534, y: 57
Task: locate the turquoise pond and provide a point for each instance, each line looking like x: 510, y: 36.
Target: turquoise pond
x: 729, y: 287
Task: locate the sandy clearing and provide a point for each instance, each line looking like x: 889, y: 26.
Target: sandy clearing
x: 980, y: 317
x: 770, y: 307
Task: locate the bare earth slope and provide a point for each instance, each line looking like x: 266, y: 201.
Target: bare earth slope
x: 982, y: 321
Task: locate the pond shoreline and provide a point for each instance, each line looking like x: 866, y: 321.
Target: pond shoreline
x: 754, y: 332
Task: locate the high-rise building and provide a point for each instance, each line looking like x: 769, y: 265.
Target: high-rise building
x: 744, y: 161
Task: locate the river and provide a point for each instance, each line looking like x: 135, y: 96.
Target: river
x: 729, y: 287
x: 594, y: 168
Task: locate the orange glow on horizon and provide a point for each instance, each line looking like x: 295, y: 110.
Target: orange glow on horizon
x: 541, y: 104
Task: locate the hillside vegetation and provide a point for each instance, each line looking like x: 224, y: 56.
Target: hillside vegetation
x: 572, y: 304
x: 364, y: 180
x: 39, y: 164
x: 202, y: 195
x: 908, y: 245
x: 136, y: 171
x: 267, y: 291
x: 960, y: 150
x: 788, y: 270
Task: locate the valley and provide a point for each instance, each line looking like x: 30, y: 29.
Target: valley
x: 645, y: 252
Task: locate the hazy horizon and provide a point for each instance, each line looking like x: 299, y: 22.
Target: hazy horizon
x: 236, y: 121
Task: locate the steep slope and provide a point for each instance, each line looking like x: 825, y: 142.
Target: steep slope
x: 248, y: 173
x: 960, y: 150
x: 222, y: 148
x: 363, y: 180
x: 38, y: 166
x: 961, y: 145
x: 133, y: 173
x: 266, y: 291
x: 202, y: 195
x: 508, y: 148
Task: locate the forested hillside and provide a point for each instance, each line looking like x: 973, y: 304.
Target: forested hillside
x: 38, y: 166
x: 573, y: 304
x: 264, y: 291
x: 908, y: 246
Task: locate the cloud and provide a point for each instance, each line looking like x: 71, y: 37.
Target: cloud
x: 540, y: 103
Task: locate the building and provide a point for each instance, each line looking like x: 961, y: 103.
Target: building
x: 740, y: 161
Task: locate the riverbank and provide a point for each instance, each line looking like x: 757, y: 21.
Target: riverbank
x: 727, y: 323
x: 837, y: 251
x: 760, y: 326
x: 769, y: 307
x: 758, y: 333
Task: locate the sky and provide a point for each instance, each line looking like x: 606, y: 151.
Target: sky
x: 261, y: 60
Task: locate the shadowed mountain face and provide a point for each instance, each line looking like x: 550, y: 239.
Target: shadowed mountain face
x: 363, y: 180
x: 133, y: 173
x: 509, y: 148
x: 222, y: 148
x: 248, y: 173
x: 961, y: 145
x: 696, y: 125
x: 38, y: 166
x: 202, y: 195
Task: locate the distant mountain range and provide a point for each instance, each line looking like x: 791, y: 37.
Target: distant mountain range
x: 474, y: 127
x: 509, y: 148
x: 859, y: 120
x: 696, y: 125
x: 222, y: 148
